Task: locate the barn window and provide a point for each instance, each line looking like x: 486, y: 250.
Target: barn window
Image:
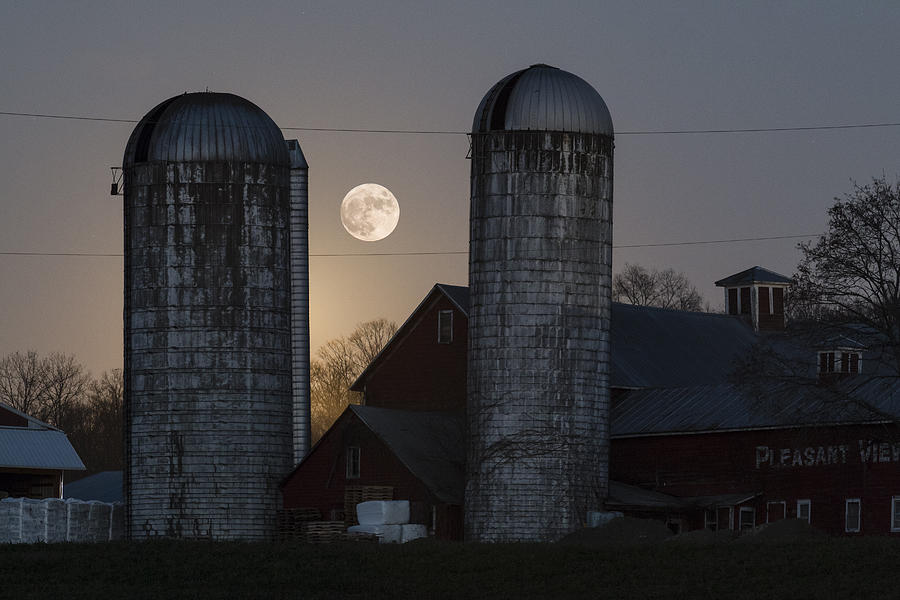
x: 895, y: 513
x: 852, y: 515
x: 775, y: 511
x: 710, y: 520
x: 732, y: 301
x: 745, y: 301
x: 840, y: 362
x: 850, y: 362
x: 747, y: 518
x: 803, y: 512
x: 353, y: 462
x: 764, y: 304
x: 445, y: 326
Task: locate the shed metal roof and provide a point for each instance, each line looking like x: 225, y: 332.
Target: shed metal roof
x: 34, y: 448
x: 430, y: 444
x: 754, y: 275
x: 103, y: 487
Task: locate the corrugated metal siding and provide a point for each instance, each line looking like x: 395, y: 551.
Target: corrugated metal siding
x: 543, y: 98
x: 207, y: 127
x: 26, y: 448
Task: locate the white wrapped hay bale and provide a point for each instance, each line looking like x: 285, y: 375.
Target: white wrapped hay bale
x: 117, y: 522
x: 387, y: 534
x: 79, y: 520
x: 34, y: 521
x: 57, y: 521
x: 412, y: 531
x: 98, y: 522
x: 383, y: 512
x: 10, y: 521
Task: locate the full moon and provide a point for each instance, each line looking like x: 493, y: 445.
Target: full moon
x: 370, y: 212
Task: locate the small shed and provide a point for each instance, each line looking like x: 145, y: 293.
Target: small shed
x: 418, y: 456
x: 33, y: 456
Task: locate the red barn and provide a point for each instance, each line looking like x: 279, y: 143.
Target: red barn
x: 694, y: 440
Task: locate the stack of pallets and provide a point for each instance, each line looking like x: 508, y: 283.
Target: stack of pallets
x: 321, y: 532
x: 292, y: 522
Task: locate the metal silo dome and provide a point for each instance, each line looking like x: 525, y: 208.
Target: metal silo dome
x: 206, y: 127
x: 543, y: 98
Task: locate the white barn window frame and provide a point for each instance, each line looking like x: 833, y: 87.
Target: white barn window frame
x: 353, y: 462
x: 804, y: 510
x: 895, y: 513
x: 746, y: 518
x: 852, y: 515
x: 445, y: 326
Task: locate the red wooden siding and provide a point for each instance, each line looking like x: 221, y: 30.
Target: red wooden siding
x: 319, y: 481
x: 823, y: 465
x: 419, y: 373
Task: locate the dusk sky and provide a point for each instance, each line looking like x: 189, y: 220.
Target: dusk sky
x: 425, y: 66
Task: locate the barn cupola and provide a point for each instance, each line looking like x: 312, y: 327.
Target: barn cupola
x: 757, y: 294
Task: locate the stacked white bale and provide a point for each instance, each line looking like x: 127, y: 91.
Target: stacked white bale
x: 412, y: 531
x: 10, y: 521
x: 57, y: 521
x: 386, y: 534
x: 34, y: 521
x: 117, y: 522
x: 383, y: 512
x: 78, y: 521
x: 540, y: 269
x: 98, y: 521
x: 388, y: 520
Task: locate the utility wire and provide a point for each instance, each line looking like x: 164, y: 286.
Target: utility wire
x: 447, y: 253
x: 449, y: 132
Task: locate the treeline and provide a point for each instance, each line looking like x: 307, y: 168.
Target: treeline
x: 58, y: 390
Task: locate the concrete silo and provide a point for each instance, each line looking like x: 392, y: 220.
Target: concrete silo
x: 540, y: 255
x: 210, y: 189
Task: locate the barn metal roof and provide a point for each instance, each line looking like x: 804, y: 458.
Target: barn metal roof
x: 206, y: 126
x: 654, y: 347
x: 37, y: 448
x: 755, y: 405
x: 543, y: 98
x: 429, y: 444
x: 754, y: 275
x: 649, y: 347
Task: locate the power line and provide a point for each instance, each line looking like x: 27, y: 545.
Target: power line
x: 451, y: 132
x: 444, y: 253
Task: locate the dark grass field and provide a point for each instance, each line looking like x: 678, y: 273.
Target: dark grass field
x: 821, y: 568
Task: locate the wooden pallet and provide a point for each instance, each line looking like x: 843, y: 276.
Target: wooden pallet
x: 354, y: 494
x: 321, y: 532
x: 291, y: 522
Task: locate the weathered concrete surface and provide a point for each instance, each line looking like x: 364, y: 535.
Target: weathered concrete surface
x: 208, y: 348
x: 540, y: 294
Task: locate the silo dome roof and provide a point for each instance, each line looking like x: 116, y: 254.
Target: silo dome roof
x: 206, y: 126
x: 543, y: 98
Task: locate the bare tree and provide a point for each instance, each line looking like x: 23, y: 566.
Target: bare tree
x: 339, y: 362
x: 850, y: 277
x: 650, y: 287
x: 65, y: 385
x: 22, y: 382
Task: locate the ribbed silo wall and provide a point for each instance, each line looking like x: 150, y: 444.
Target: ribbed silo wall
x: 207, y: 347
x: 540, y: 293
x: 300, y: 300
